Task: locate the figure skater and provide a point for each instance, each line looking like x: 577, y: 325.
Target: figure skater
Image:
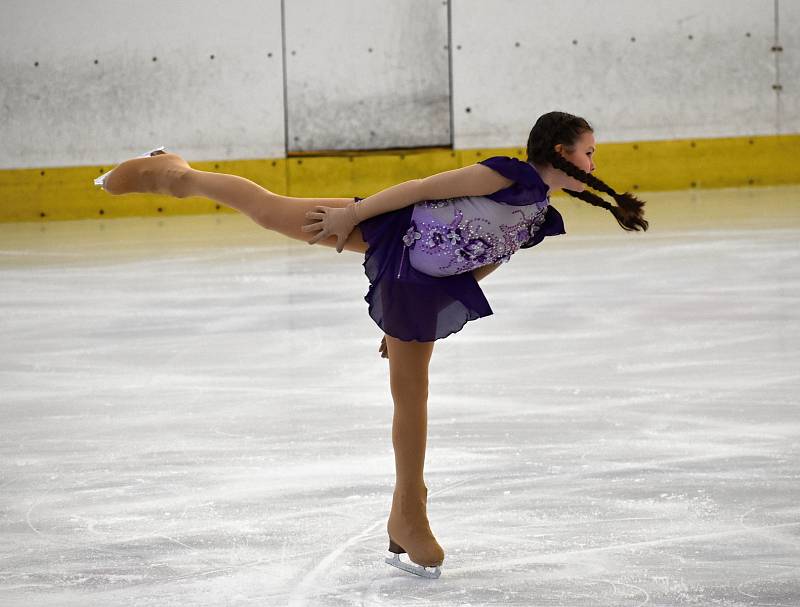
x: 426, y: 243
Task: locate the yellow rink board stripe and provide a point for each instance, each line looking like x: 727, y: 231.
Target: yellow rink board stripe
x: 64, y: 193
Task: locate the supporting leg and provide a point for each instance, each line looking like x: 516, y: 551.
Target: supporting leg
x: 408, y: 524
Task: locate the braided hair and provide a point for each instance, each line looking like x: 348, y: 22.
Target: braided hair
x: 559, y: 127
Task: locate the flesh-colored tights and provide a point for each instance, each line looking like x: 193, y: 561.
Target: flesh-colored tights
x: 408, y: 361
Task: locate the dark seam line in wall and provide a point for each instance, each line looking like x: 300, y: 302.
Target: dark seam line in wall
x: 285, y: 88
x: 777, y: 44
x: 450, y: 70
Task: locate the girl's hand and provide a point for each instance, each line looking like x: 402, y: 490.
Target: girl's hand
x: 332, y: 222
x: 383, y: 349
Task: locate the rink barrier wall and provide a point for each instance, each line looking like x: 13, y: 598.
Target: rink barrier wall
x: 67, y: 193
x: 91, y: 82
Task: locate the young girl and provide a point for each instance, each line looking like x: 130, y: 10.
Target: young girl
x: 426, y: 243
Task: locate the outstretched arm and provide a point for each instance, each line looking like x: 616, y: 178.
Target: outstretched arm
x: 473, y: 180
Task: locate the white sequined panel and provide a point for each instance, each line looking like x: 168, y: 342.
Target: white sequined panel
x: 452, y: 236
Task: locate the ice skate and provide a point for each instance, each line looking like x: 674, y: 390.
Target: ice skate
x: 410, y: 534
x: 156, y: 172
x: 432, y: 572
x: 100, y: 181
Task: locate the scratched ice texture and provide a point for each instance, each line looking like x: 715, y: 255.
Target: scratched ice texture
x: 194, y: 412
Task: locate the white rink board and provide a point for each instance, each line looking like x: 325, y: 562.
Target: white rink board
x: 663, y: 85
x: 71, y: 111
x: 367, y: 74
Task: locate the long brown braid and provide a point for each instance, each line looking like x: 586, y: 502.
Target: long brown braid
x: 559, y: 127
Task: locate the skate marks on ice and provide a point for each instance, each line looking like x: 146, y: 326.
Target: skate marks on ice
x: 141, y: 561
x: 307, y: 590
x: 135, y: 443
x: 770, y: 585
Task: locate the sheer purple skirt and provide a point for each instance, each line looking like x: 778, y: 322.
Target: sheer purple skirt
x: 405, y: 303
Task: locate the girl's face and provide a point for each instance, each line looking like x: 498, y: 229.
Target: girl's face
x: 581, y: 154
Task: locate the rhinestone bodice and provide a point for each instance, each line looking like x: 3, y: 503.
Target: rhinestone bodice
x: 457, y: 235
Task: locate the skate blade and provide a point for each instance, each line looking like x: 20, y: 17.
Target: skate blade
x: 100, y: 180
x: 426, y: 572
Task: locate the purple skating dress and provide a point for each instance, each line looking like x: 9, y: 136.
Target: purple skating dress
x: 420, y: 258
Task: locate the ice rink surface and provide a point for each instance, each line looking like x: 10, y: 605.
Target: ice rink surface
x: 194, y: 412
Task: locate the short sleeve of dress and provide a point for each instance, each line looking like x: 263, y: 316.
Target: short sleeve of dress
x: 510, y: 168
x: 528, y: 187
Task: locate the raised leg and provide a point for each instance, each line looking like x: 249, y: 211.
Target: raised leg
x: 170, y: 175
x: 283, y: 214
x: 408, y: 522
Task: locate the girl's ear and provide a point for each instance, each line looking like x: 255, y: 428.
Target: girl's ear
x: 558, y: 148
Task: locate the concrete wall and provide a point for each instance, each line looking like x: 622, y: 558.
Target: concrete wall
x: 89, y: 82
x: 366, y: 74
x: 636, y: 70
